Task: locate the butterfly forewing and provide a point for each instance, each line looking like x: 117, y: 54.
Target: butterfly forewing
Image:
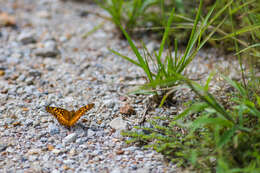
x: 81, y: 111
x: 62, y: 115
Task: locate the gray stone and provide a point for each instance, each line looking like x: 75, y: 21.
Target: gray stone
x: 91, y: 133
x: 68, y: 162
x: 44, y: 139
x: 35, y: 73
x: 28, y: 122
x: 21, y: 78
x: 20, y: 90
x: 109, y: 103
x: 2, y: 108
x: 49, y: 49
x: 56, y: 151
x: 68, y: 100
x: 10, y: 149
x: 118, y: 124
x: 70, y: 138
x: 27, y: 37
x: 53, y: 129
x: 32, y: 158
x: 81, y: 140
x: 29, y: 89
x: 3, y: 147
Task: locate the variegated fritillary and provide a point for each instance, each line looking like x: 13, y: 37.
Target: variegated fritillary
x: 68, y: 118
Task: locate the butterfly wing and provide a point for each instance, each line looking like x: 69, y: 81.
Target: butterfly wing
x: 79, y: 113
x: 62, y: 115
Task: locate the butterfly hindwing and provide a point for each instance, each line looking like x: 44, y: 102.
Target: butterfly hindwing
x: 79, y: 113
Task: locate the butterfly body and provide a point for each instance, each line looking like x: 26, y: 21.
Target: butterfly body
x: 68, y: 118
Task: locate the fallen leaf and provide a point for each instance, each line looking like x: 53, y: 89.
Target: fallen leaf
x: 127, y: 109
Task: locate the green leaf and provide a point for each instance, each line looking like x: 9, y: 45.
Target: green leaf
x: 202, y: 121
x: 196, y: 107
x: 226, y: 137
x: 241, y: 31
x: 237, y: 86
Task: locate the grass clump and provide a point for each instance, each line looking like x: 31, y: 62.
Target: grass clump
x: 217, y: 140
x: 162, y: 71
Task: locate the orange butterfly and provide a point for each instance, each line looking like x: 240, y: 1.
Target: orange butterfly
x: 68, y: 118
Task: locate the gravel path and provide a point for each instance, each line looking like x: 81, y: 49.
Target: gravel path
x: 44, y: 60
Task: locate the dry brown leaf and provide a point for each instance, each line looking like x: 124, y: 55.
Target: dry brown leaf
x: 127, y: 109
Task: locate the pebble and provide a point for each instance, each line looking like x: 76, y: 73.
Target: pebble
x: 28, y: 122
x: 3, y: 146
x: 53, y: 129
x: 49, y: 49
x: 21, y: 78
x: 68, y: 162
x: 70, y: 138
x: 27, y: 37
x: 91, y: 133
x: 56, y: 151
x: 118, y: 124
x: 35, y: 73
x: 68, y: 100
x: 110, y: 103
x: 10, y: 149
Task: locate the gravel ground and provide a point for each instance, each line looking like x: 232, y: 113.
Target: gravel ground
x: 44, y: 60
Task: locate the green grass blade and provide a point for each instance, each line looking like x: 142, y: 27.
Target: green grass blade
x: 241, y: 31
x: 237, y: 86
x: 226, y: 137
x: 196, y: 107
x: 249, y: 47
x: 166, y: 33
x: 206, y: 87
x: 142, y: 63
x: 192, y: 39
x: 125, y: 57
x: 205, y: 121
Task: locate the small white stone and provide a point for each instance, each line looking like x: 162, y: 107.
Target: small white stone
x: 56, y: 151
x: 26, y: 37
x: 70, y: 138
x: 118, y: 124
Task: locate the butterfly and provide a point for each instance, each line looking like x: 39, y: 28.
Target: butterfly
x: 68, y: 118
